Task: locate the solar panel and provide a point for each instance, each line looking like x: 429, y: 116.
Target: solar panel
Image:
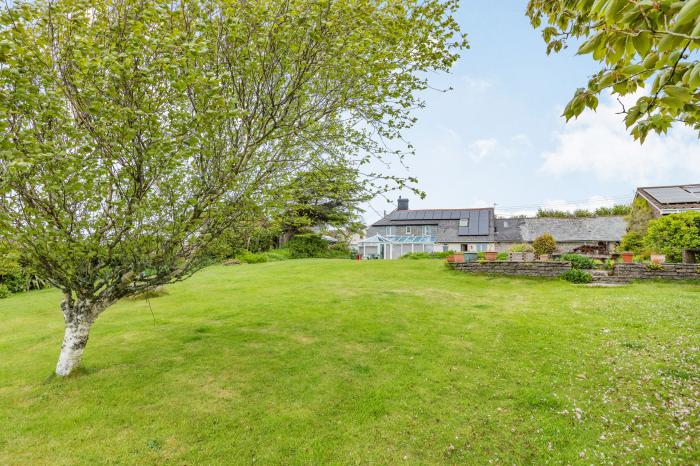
x: 693, y: 189
x: 454, y: 214
x: 673, y: 195
x: 421, y: 215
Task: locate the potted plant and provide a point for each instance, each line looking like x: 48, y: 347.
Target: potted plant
x: 658, y: 259
x: 491, y: 256
x: 627, y: 257
x: 544, y: 245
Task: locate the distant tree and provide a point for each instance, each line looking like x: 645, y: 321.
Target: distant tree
x: 133, y: 134
x: 544, y: 244
x: 671, y: 234
x: 639, y: 43
x: 616, y: 210
x: 638, y: 219
x: 325, y: 195
x: 553, y: 213
x: 639, y: 216
x: 583, y: 213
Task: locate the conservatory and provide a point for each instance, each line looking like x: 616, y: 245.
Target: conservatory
x: 393, y: 247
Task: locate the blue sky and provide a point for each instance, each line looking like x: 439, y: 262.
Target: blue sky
x: 498, y: 136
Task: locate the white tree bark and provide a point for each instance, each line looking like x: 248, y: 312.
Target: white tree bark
x: 79, y: 317
x: 74, y: 340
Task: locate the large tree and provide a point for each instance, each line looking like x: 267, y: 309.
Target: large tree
x: 323, y: 195
x: 133, y: 132
x: 645, y: 46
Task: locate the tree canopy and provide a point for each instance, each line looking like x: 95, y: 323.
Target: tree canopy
x: 134, y: 133
x: 644, y: 46
x: 671, y: 234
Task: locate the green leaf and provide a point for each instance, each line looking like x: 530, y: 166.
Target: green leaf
x: 642, y: 43
x: 689, y: 12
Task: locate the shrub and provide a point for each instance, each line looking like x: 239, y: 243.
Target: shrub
x: 502, y: 256
x: 307, y: 245
x: 418, y: 255
x: 524, y: 247
x: 277, y: 255
x: 578, y: 261
x: 653, y: 266
x: 252, y: 257
x: 633, y: 241
x: 577, y: 276
x: 545, y: 244
x: 4, y: 291
x: 443, y: 254
x: 671, y: 234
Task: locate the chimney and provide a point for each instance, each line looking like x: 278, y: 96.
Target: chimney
x: 403, y: 203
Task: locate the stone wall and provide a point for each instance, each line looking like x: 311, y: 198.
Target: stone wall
x: 528, y: 269
x: 623, y: 273
x: 669, y: 272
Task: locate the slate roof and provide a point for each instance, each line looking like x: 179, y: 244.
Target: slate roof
x: 480, y: 221
x: 573, y: 229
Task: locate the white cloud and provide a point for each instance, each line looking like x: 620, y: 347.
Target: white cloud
x: 477, y: 84
x: 483, y: 148
x: 598, y: 144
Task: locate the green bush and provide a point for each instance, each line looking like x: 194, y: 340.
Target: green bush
x: 544, y: 244
x: 340, y: 250
x: 443, y: 254
x: 277, y: 255
x: 524, y: 247
x: 4, y: 291
x: 578, y: 261
x: 307, y: 245
x: 577, y: 276
x: 502, y: 256
x: 633, y: 241
x: 418, y: 255
x: 671, y: 234
x: 252, y: 257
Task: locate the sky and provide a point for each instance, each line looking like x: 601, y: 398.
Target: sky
x: 498, y: 137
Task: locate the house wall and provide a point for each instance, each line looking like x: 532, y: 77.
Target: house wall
x: 562, y: 247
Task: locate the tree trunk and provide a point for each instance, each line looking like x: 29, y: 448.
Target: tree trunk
x: 79, y: 317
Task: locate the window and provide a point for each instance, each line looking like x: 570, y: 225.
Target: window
x: 389, y: 231
x: 408, y: 229
x: 427, y: 230
x: 463, y: 222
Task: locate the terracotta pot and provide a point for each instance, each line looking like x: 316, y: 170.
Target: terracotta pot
x: 627, y: 257
x: 658, y: 259
x: 491, y: 256
x: 457, y: 257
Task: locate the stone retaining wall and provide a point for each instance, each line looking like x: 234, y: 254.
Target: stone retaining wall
x: 669, y: 272
x: 528, y: 269
x: 621, y: 274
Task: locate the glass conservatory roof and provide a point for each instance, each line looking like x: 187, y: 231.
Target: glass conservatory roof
x: 395, y: 239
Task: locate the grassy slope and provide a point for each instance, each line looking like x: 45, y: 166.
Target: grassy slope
x: 373, y: 362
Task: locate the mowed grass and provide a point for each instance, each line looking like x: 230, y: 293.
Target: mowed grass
x: 374, y: 362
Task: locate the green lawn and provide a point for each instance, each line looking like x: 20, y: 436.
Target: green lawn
x: 375, y: 362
